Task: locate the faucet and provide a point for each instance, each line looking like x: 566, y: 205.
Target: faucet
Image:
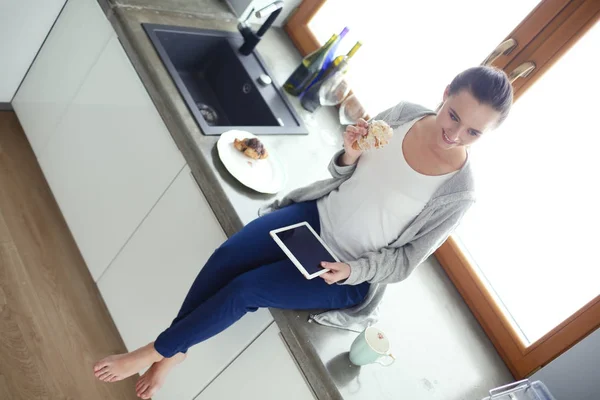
x: 251, y: 39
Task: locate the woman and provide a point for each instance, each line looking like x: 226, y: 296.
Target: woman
x: 383, y: 213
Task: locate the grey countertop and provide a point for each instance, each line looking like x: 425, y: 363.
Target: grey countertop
x: 458, y: 364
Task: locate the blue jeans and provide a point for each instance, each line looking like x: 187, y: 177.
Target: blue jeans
x: 247, y: 272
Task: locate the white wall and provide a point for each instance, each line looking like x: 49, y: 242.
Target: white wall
x: 575, y: 375
x: 290, y: 6
x: 24, y: 24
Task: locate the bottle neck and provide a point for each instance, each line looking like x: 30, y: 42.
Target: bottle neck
x: 333, y: 39
x: 353, y: 50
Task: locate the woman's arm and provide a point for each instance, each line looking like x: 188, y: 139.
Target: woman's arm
x: 351, y: 135
x: 344, y: 161
x: 336, y: 169
x: 390, y: 265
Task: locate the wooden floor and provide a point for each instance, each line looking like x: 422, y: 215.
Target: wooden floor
x: 53, y: 323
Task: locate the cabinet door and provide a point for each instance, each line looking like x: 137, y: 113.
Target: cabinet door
x: 70, y: 51
x: 146, y: 284
x: 110, y: 159
x: 24, y: 24
x: 265, y: 371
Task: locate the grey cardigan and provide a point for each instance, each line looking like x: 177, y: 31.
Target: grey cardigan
x: 419, y: 240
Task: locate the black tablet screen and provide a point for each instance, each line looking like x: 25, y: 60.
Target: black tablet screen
x: 305, y: 246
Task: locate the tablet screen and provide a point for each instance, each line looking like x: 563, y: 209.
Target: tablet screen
x: 305, y: 246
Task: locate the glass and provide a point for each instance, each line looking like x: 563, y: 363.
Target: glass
x: 334, y: 89
x: 351, y: 110
x: 412, y: 49
x: 533, y: 232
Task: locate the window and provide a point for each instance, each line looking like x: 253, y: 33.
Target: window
x: 407, y: 57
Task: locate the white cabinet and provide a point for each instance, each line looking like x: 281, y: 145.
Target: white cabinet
x: 24, y: 25
x: 265, y: 371
x: 147, y: 282
x: 70, y: 51
x: 110, y: 159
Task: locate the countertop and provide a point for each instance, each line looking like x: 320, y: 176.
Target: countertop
x: 441, y: 351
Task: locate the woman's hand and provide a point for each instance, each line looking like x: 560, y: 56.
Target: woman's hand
x: 351, y: 135
x: 338, y: 272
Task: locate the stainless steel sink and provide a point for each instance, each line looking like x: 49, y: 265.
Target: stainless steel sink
x: 220, y: 86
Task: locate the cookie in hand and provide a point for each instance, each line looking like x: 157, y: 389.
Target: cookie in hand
x: 378, y: 135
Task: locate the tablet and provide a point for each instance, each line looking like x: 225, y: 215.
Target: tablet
x: 304, y: 248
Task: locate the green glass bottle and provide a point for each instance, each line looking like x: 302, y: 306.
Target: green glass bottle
x: 311, y: 98
x: 310, y: 65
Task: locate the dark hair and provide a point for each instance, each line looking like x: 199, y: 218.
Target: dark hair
x: 488, y: 85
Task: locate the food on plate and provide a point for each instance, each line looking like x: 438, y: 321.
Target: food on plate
x: 251, y: 147
x: 378, y: 135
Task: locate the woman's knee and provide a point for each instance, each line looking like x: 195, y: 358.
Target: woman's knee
x: 225, y: 254
x: 246, y: 291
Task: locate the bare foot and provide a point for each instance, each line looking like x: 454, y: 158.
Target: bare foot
x: 121, y: 366
x: 153, y: 379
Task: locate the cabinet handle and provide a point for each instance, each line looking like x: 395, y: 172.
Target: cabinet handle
x: 503, y: 48
x: 522, y: 71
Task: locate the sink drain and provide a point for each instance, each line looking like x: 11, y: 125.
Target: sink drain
x: 208, y: 113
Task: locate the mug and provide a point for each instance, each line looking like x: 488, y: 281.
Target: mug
x: 369, y: 347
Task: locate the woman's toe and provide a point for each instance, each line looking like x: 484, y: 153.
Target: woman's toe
x: 100, y: 371
x: 108, y: 375
x: 147, y: 393
x: 141, y: 389
x: 139, y: 383
x: 100, y: 365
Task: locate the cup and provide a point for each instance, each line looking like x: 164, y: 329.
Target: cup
x: 370, y: 347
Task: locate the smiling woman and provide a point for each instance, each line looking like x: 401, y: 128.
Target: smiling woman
x: 366, y: 224
x: 429, y: 45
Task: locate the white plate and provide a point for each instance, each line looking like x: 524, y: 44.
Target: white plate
x: 265, y: 176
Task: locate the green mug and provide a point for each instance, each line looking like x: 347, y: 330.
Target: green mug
x: 369, y: 347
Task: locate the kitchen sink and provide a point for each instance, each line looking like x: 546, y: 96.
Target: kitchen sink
x: 223, y: 89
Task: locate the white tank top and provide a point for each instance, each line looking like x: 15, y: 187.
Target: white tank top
x: 374, y: 206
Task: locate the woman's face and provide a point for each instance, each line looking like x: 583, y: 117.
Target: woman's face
x: 462, y: 120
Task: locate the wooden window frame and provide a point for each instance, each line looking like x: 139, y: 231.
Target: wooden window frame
x: 297, y: 26
x: 542, y: 37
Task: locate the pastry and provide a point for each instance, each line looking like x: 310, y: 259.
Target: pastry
x: 378, y: 135
x: 251, y: 147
